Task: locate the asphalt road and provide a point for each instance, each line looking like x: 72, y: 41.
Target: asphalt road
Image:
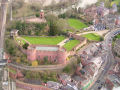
x: 109, y: 59
x: 2, y: 32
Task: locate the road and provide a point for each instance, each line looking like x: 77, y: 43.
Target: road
x: 39, y: 68
x: 3, y: 14
x: 109, y: 59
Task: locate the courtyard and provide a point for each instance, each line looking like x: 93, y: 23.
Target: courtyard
x: 71, y: 44
x: 92, y: 37
x: 77, y: 24
x: 44, y: 40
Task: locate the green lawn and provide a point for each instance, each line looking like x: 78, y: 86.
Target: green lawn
x: 71, y: 44
x: 20, y: 41
x: 44, y: 40
x: 92, y: 36
x: 118, y: 36
x: 12, y: 71
x: 77, y: 24
x: 115, y: 1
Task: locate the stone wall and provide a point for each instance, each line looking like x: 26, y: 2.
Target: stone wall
x: 54, y: 56
x: 27, y: 86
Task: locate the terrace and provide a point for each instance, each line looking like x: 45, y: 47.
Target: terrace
x: 44, y: 40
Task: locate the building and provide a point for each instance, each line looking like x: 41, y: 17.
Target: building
x: 117, y: 21
x: 54, y: 85
x: 54, y: 53
x: 117, y: 47
x: 14, y: 32
x: 42, y: 16
x: 40, y: 19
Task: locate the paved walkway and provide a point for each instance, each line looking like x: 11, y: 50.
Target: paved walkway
x: 101, y: 33
x: 63, y: 42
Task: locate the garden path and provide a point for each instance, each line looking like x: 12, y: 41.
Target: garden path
x: 101, y: 33
x: 63, y: 42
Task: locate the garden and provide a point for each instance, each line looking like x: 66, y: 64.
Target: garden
x: 115, y: 1
x: 77, y: 24
x: 71, y: 44
x: 44, y: 40
x: 93, y: 37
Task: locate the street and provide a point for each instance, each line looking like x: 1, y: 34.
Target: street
x: 108, y: 62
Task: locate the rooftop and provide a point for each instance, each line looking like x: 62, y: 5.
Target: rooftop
x: 42, y: 48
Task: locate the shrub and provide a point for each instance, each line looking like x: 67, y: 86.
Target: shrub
x: 18, y: 60
x: 37, y: 15
x: 34, y: 63
x: 46, y: 60
x: 67, y: 69
x: 25, y: 46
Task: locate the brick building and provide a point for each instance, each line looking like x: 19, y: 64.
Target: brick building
x: 54, y: 53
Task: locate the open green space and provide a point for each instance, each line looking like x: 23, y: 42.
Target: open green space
x: 20, y: 41
x: 92, y: 37
x: 118, y: 36
x: 12, y: 71
x: 77, y: 24
x: 115, y: 1
x: 44, y: 40
x: 71, y: 44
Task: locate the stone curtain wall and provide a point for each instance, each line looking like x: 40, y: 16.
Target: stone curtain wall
x: 59, y: 55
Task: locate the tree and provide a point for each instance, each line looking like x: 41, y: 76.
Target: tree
x: 25, y: 46
x: 46, y: 60
x: 34, y: 63
x: 18, y: 60
x: 56, y: 25
x: 37, y: 15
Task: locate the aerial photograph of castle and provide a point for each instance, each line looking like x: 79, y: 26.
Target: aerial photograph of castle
x: 59, y: 44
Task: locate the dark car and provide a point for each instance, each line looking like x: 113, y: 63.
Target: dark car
x: 100, y: 87
x: 98, y: 81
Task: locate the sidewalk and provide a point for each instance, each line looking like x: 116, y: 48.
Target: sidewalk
x: 101, y: 33
x: 63, y: 42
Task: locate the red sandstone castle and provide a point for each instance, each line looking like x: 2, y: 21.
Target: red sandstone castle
x: 54, y: 53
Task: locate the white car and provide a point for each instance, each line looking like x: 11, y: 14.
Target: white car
x: 5, y: 83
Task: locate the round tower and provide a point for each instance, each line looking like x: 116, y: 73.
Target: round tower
x: 61, y: 57
x: 31, y: 54
x: 42, y: 14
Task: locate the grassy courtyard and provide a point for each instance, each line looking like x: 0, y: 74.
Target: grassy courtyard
x: 44, y: 40
x: 77, y: 24
x: 71, y: 44
x: 20, y: 41
x: 118, y: 36
x: 115, y: 1
x: 92, y: 37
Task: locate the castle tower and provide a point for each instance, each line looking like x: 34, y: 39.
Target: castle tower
x: 42, y: 15
x: 31, y: 54
x: 61, y: 56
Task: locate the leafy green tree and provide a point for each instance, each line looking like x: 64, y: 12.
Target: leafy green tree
x: 37, y: 15
x: 25, y: 46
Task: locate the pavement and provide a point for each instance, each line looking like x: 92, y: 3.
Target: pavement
x: 101, y: 33
x: 63, y: 42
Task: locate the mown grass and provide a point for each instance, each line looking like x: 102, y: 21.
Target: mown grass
x: 20, y: 41
x: 116, y: 2
x: 44, y: 40
x: 77, y: 24
x: 71, y: 44
x: 92, y: 37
